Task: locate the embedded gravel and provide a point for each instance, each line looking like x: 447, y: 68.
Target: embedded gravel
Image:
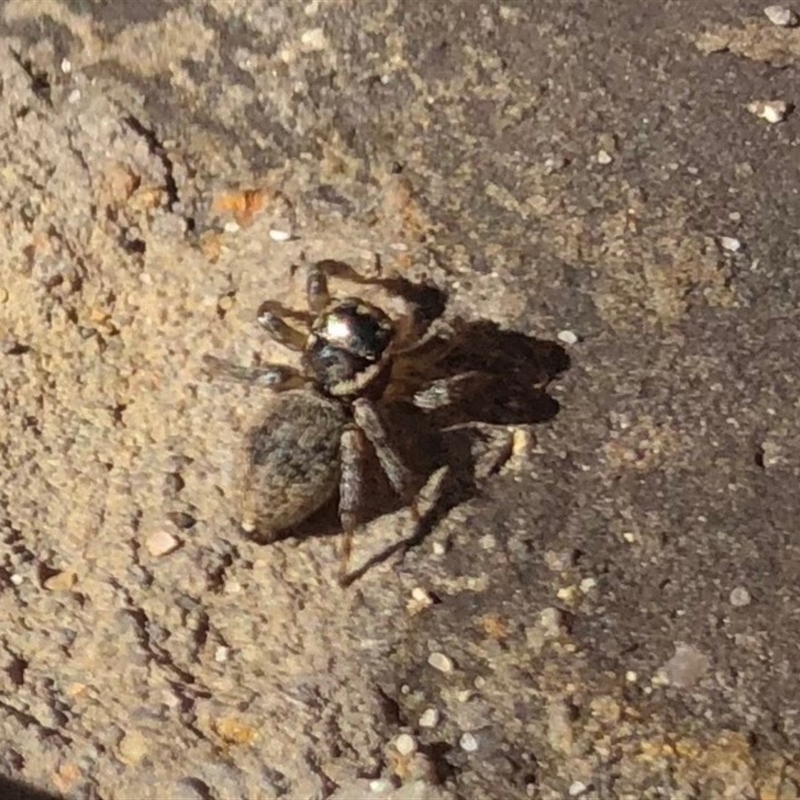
x: 606, y: 605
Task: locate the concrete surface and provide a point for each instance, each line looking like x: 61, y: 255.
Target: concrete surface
x: 613, y: 611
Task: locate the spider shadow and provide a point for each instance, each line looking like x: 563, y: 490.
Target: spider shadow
x: 509, y: 374
x: 11, y: 790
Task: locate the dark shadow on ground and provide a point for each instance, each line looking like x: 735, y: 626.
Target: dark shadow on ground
x: 11, y: 790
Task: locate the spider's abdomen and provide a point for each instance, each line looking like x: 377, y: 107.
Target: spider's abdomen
x: 291, y: 462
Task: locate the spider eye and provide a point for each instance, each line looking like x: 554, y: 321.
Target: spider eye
x: 338, y: 372
x: 357, y: 328
x: 333, y: 362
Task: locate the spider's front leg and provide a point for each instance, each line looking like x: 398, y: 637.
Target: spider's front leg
x: 317, y: 292
x: 277, y: 377
x: 272, y: 317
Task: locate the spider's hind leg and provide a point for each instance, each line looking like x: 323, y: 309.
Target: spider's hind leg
x: 451, y: 391
x: 402, y: 479
x: 351, y: 492
x: 420, y: 501
x: 400, y: 476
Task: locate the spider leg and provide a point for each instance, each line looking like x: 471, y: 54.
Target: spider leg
x: 351, y: 491
x: 400, y: 476
x: 496, y: 443
x: 438, y: 340
x: 276, y: 377
x: 317, y: 291
x: 321, y: 271
x: 271, y: 317
x: 447, y: 392
x: 421, y: 502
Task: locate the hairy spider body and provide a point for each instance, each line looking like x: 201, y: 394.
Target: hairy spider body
x: 313, y: 437
x: 292, y: 459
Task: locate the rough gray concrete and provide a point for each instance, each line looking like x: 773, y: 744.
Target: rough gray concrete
x: 614, y: 606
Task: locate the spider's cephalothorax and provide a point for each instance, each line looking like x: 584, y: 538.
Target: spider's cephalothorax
x: 348, y: 348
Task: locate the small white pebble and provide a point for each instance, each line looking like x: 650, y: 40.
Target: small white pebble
x: 16, y: 579
x: 221, y: 654
x: 567, y: 336
x: 61, y: 581
x: 623, y: 420
x: 780, y: 15
x: 488, y: 542
x: 558, y: 560
x: 587, y: 584
x: 279, y: 235
x: 171, y: 700
x: 522, y: 440
x: 160, y: 543
x: 439, y: 549
x: 441, y: 662
x: 577, y: 788
x: 314, y: 39
x: 735, y: 216
x: 566, y: 593
x: 604, y: 158
x: 772, y: 111
x: 740, y: 597
x: 479, y: 682
x: 66, y: 66
x: 420, y: 600
x: 631, y: 676
x: 429, y: 718
x: 554, y: 164
x: 730, y: 244
x: 551, y: 622
x: 405, y: 744
x: 231, y: 226
x: 380, y: 786
x: 74, y: 96
x: 468, y: 743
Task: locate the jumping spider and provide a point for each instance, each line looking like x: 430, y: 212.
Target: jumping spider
x: 314, y: 435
